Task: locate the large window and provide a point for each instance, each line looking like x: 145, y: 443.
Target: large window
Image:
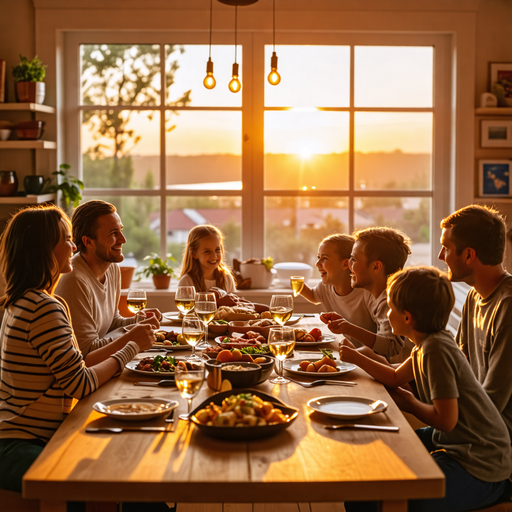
x: 346, y: 141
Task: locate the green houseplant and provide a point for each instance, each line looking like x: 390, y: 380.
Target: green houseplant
x: 29, y: 77
x: 70, y: 186
x: 159, y: 269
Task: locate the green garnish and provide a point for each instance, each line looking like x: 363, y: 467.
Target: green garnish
x: 327, y: 352
x: 220, y: 322
x: 255, y: 350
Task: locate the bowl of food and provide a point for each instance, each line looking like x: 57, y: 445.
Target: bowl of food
x: 217, y: 328
x: 241, y: 374
x: 247, y: 415
x: 286, y: 270
x: 230, y: 356
x: 30, y: 130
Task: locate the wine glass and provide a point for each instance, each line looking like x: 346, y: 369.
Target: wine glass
x: 189, y: 382
x: 193, y: 333
x: 297, y: 283
x: 205, y: 308
x: 281, y: 342
x: 281, y: 308
x: 136, y: 300
x: 185, y: 298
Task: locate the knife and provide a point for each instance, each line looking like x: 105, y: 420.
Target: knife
x: 113, y: 430
x: 364, y: 427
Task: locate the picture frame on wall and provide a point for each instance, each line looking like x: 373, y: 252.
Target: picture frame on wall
x: 500, y: 82
x: 494, y: 178
x: 496, y: 134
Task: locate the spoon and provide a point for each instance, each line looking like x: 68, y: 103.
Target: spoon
x: 163, y: 383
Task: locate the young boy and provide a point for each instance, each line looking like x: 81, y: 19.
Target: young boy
x: 467, y: 437
x: 377, y: 253
x: 335, y: 291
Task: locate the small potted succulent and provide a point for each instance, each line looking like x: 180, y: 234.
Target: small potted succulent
x: 159, y: 269
x: 29, y: 77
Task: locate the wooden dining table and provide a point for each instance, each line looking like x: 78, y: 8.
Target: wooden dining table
x: 304, y: 463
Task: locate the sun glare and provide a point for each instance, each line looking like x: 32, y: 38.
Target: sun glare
x: 305, y: 153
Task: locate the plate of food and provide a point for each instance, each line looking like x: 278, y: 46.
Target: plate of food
x: 134, y: 409
x: 167, y: 338
x: 315, y: 337
x: 241, y: 341
x: 326, y: 366
x: 347, y: 407
x: 259, y: 326
x: 159, y: 366
x: 257, y: 415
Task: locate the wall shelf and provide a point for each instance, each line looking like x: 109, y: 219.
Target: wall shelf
x: 30, y: 107
x: 495, y: 111
x: 28, y: 144
x: 28, y: 199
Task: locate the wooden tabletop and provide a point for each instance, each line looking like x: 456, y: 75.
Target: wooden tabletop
x: 305, y: 463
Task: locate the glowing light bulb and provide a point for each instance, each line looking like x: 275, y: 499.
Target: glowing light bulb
x: 209, y: 81
x: 235, y: 85
x: 274, y: 78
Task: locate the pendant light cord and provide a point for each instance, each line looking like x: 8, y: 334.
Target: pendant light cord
x: 236, y: 8
x: 211, y: 16
x: 274, y: 25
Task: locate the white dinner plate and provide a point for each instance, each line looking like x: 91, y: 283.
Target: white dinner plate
x: 173, y: 317
x: 163, y: 406
x: 293, y: 366
x: 158, y: 344
x: 346, y: 407
x: 163, y: 375
x: 326, y: 339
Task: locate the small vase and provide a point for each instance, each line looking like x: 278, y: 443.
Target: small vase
x: 162, y: 282
x: 8, y: 183
x: 33, y: 184
x: 30, y: 92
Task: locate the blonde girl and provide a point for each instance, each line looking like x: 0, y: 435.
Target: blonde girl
x: 203, y: 261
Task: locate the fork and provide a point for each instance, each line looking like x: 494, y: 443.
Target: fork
x: 170, y: 419
x: 322, y: 382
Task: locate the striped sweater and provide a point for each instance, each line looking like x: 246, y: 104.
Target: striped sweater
x: 41, y: 367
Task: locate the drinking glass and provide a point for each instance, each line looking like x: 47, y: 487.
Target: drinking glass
x: 281, y: 342
x: 193, y: 333
x: 185, y: 298
x: 189, y: 383
x: 205, y: 308
x: 137, y: 300
x: 297, y: 283
x: 281, y: 308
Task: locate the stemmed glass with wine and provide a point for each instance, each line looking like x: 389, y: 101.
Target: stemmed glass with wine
x: 281, y: 342
x: 189, y: 382
x: 185, y: 298
x: 281, y: 308
x: 193, y: 333
x: 137, y: 300
x: 297, y: 283
x: 205, y: 309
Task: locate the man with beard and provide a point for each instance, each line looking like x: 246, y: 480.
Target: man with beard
x: 92, y: 290
x: 377, y: 253
x: 473, y: 246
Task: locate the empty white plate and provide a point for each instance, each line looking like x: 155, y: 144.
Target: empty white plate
x: 347, y: 407
x: 133, y: 409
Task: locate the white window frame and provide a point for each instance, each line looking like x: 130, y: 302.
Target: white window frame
x: 254, y: 71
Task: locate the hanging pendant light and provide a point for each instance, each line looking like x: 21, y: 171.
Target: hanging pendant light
x: 274, y: 77
x: 209, y: 81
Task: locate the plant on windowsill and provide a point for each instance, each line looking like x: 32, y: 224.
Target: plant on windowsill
x: 29, y: 76
x: 70, y: 186
x: 159, y: 269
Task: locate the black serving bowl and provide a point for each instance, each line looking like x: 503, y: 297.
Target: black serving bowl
x: 239, y: 379
x: 266, y: 369
x: 245, y: 433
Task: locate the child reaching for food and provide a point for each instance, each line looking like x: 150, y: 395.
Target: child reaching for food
x: 203, y: 261
x: 467, y: 437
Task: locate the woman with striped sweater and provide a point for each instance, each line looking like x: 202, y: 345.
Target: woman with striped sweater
x: 41, y: 366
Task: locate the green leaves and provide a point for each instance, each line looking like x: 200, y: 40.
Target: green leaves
x: 29, y: 70
x: 157, y: 266
x: 70, y: 186
x: 268, y: 262
x: 327, y: 352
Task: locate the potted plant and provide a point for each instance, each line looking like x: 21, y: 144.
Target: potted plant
x: 29, y: 76
x: 160, y: 270
x: 70, y: 186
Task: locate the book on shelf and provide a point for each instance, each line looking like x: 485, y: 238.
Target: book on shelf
x: 3, y: 66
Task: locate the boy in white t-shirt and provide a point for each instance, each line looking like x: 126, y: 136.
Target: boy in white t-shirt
x: 335, y: 291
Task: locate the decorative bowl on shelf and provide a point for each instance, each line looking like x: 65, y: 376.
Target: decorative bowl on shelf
x: 5, y: 133
x: 30, y: 130
x: 258, y: 273
x: 291, y: 268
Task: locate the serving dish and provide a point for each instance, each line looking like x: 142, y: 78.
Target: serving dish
x: 266, y: 370
x: 244, y: 433
x: 347, y: 407
x: 108, y: 407
x: 292, y: 366
x: 242, y: 327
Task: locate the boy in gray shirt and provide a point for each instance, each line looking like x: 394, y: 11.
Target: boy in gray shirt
x: 468, y: 438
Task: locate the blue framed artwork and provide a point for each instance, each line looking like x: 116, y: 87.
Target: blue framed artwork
x: 494, y: 178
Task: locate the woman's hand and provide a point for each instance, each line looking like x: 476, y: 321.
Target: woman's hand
x: 156, y: 312
x: 143, y: 335
x: 151, y: 321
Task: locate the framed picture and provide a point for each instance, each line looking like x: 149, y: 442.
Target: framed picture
x: 496, y: 134
x: 501, y: 73
x: 494, y: 178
